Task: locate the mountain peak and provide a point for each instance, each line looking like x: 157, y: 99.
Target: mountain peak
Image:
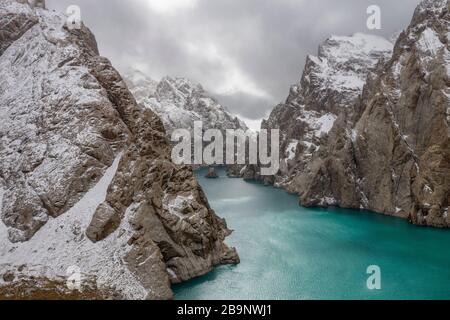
x: 362, y: 42
x: 342, y: 66
x: 180, y: 102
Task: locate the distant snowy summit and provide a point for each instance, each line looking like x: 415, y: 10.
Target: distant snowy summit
x: 343, y: 63
x: 179, y: 102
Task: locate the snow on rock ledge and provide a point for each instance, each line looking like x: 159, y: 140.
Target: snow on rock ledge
x: 61, y: 244
x: 67, y: 116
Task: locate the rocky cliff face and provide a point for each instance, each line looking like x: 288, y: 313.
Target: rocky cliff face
x: 180, y: 102
x: 329, y: 86
x: 86, y: 179
x: 389, y: 150
x: 401, y: 142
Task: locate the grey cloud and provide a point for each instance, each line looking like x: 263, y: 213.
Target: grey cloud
x: 246, y: 105
x: 266, y: 40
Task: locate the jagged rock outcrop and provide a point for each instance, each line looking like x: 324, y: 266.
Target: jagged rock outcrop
x: 86, y: 178
x: 390, y: 153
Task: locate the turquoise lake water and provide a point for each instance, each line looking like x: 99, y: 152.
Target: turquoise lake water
x: 290, y: 252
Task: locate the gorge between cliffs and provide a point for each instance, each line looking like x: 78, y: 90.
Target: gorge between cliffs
x: 90, y: 190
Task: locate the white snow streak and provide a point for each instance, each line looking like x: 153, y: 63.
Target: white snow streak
x: 61, y: 243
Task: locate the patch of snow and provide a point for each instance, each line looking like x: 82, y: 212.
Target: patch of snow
x: 320, y: 124
x: 417, y: 167
x: 427, y: 189
x: 348, y: 81
x: 14, y: 6
x: 354, y: 135
x: 315, y: 59
x: 429, y: 42
x: 365, y: 43
x: 172, y: 273
x: 61, y: 243
x: 328, y: 201
x: 447, y: 61
x: 324, y: 124
x: 364, y: 199
x: 393, y: 174
x: 175, y: 205
x: 433, y: 6
x: 292, y: 149
x: 397, y: 69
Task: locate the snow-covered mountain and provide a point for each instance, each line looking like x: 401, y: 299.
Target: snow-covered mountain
x: 86, y: 180
x: 329, y: 86
x: 180, y: 102
x: 370, y: 125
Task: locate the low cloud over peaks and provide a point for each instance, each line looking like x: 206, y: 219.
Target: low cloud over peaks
x: 246, y: 52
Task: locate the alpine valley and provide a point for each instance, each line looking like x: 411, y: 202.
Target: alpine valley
x: 90, y: 196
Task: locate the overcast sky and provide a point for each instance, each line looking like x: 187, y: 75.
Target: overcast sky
x: 247, y: 53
